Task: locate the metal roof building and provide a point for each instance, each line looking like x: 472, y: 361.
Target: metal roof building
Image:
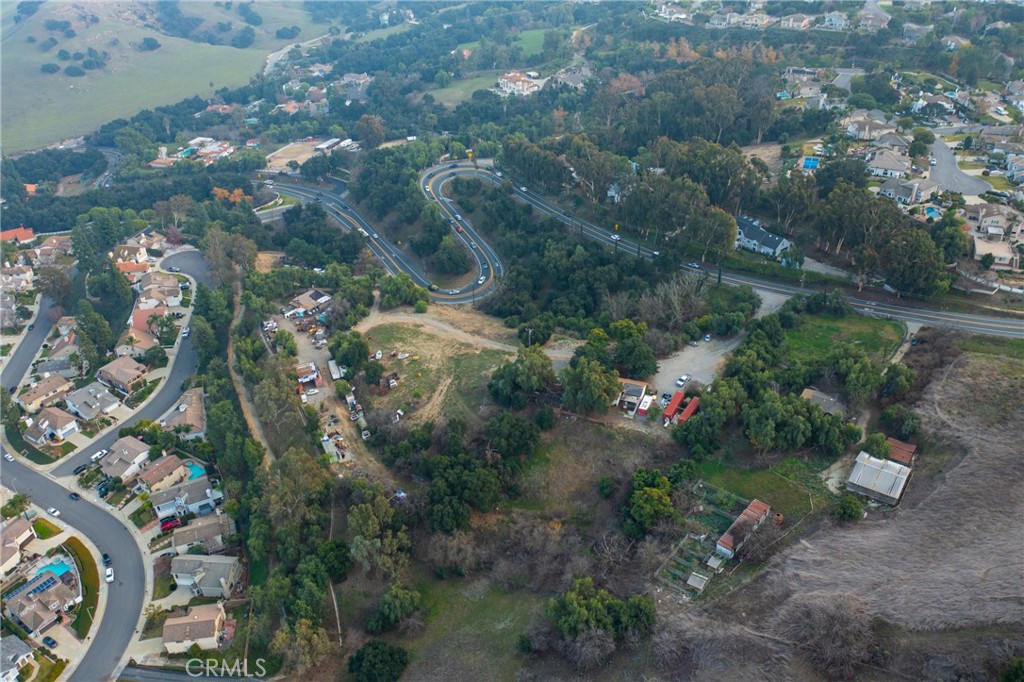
x: 879, y: 479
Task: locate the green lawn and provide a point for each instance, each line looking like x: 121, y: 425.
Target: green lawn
x: 16, y: 440
x: 163, y: 585
x: 999, y: 182
x: 993, y: 345
x: 532, y: 42
x: 5, y: 349
x: 36, y: 105
x: 472, y: 630
x: 815, y: 338
x: 789, y: 487
x: 143, y: 515
x: 67, y: 448
x: 461, y: 90
x: 48, y: 669
x: 383, y: 32
x: 44, y: 529
x: 90, y: 577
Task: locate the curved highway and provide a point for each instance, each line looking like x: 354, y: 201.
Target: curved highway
x: 111, y: 636
x: 489, y: 265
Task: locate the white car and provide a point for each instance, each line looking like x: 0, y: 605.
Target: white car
x: 458, y: 217
x: 186, y: 332
x: 681, y: 381
x: 109, y: 577
x: 376, y: 236
x: 54, y: 512
x: 9, y: 457
x: 707, y: 337
x: 313, y: 391
x: 481, y: 280
x: 523, y: 188
x: 932, y: 162
x: 695, y: 266
x: 616, y: 238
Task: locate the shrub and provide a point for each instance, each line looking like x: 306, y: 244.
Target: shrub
x: 74, y: 71
x: 49, y: 68
x: 378, y: 661
x: 420, y: 307
x: 848, y: 508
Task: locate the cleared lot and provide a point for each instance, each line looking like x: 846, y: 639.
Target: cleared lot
x: 703, y: 362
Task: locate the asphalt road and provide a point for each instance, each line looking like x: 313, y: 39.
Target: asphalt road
x: 949, y: 176
x: 112, y: 635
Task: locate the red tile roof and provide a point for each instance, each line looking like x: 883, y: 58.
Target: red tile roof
x: 19, y: 234
x: 140, y: 317
x: 901, y: 452
x: 127, y: 267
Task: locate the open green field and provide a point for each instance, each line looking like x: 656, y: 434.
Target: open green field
x: 999, y: 182
x: 815, y: 338
x: 532, y: 42
x: 472, y: 631
x: 459, y: 91
x: 36, y: 105
x: 993, y: 345
x: 785, y: 487
x: 89, y: 575
x: 383, y: 33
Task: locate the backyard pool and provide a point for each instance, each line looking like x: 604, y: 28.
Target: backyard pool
x: 195, y: 470
x: 58, y: 566
x: 933, y: 212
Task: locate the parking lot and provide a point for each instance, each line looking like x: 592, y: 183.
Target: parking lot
x: 702, y: 362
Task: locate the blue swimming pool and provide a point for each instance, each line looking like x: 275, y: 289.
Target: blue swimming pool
x: 58, y: 566
x: 195, y: 470
x: 933, y: 212
x: 811, y: 162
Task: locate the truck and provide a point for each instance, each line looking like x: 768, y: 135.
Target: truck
x: 335, y: 371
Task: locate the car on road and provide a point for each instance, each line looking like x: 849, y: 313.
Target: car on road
x: 472, y: 245
x: 9, y: 457
x: 31, y: 326
x: 106, y: 559
x: 454, y: 165
x: 458, y: 228
x: 376, y: 236
x: 451, y: 175
x: 453, y: 291
x: 109, y: 575
x: 498, y: 173
x: 481, y: 280
x: 523, y: 188
x: 174, y: 269
x: 695, y: 266
x: 96, y: 456
x: 313, y: 391
x: 186, y: 332
x: 54, y: 512
x: 707, y: 337
x: 655, y: 253
x: 681, y: 381
x: 50, y: 642
x: 458, y: 217
x: 81, y: 469
x: 932, y: 162
x: 74, y: 497
x: 616, y: 238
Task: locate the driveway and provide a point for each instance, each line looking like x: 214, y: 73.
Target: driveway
x: 948, y: 174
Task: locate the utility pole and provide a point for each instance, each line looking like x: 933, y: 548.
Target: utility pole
x: 529, y: 336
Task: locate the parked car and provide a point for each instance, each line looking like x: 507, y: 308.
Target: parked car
x: 9, y: 457
x: 106, y: 559
x: 186, y: 332
x: 31, y: 326
x: 74, y: 497
x: 50, y: 642
x: 695, y: 266
x: 54, y: 512
x: 303, y: 399
x: 184, y: 286
x: 80, y: 469
x: 313, y: 391
x: 174, y: 269
x: 681, y: 381
x: 707, y: 337
x: 170, y: 524
x: 109, y: 575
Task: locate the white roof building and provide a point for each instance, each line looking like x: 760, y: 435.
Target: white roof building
x: 879, y: 479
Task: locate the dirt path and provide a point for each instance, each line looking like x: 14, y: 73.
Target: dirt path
x: 255, y: 428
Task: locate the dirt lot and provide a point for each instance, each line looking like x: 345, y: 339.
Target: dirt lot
x: 703, y: 363
x: 770, y: 153
x: 295, y: 151
x: 267, y: 260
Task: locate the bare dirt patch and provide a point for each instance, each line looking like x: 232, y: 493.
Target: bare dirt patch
x: 941, y: 560
x: 296, y: 151
x: 770, y: 153
x: 267, y: 260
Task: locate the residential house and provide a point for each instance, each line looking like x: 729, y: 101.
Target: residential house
x: 163, y: 473
x: 887, y: 164
x: 995, y: 220
x: 1006, y: 257
x: 51, y: 422
x: 1015, y: 88
x: 308, y: 375
x: 158, y: 290
x: 828, y: 403
x: 64, y: 347
x: 631, y: 396
x: 201, y: 627
x: 309, y: 302
x: 128, y: 456
x: 574, y: 76
x: 61, y: 366
x: 192, y: 497
x: 798, y: 22
x: 207, y: 576
x: 135, y: 342
x: 879, y: 479
x: 47, y: 391
x: 834, y: 21
x: 718, y: 20
x: 860, y: 126
x: 900, y: 451
x: 515, y: 83
x: 35, y: 604
x: 14, y: 536
x: 755, y: 21
x: 954, y: 43
x: 66, y: 325
x: 132, y: 271
x: 129, y: 254
x: 746, y: 523
x: 188, y: 419
x: 15, y: 654
x: 211, y: 533
x: 673, y: 13
x: 123, y: 374
x: 16, y: 278
x: 60, y: 243
x: 8, y: 311
x: 151, y: 241
x: 933, y: 103
x: 752, y: 237
x: 872, y: 22
x: 896, y: 143
x: 908, y: 192
x: 91, y: 402
x: 19, y: 235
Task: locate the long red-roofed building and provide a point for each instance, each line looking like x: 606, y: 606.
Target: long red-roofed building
x: 752, y: 517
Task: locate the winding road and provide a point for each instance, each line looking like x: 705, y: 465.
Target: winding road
x: 112, y: 635
x: 489, y: 265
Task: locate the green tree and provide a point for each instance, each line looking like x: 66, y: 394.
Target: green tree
x: 374, y: 372
x: 589, y: 387
x: 334, y: 554
x: 585, y: 607
x: 848, y: 508
x: 378, y: 661
x: 649, y: 502
x: 987, y: 261
x: 285, y: 343
x: 394, y: 605
x: 876, y: 446
x: 512, y: 437
x: 636, y: 358
x: 514, y: 382
x: 914, y: 263
x: 350, y: 350
x: 450, y: 258
x: 301, y: 646
x: 370, y: 131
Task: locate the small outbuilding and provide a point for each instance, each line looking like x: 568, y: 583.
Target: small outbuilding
x: 879, y: 479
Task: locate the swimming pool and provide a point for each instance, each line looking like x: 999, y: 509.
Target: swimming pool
x: 58, y: 566
x: 811, y: 163
x: 195, y: 470
x: 933, y: 212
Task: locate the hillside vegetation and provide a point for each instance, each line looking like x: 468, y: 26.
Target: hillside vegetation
x: 124, y: 77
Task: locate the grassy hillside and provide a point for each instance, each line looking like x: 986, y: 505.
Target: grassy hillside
x: 36, y: 105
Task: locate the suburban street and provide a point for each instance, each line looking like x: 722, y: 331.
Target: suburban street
x: 948, y: 174
x: 111, y: 636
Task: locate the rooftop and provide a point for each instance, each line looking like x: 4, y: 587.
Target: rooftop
x: 879, y: 478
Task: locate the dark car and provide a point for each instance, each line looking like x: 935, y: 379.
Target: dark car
x: 106, y: 559
x: 31, y: 327
x: 81, y: 469
x: 454, y: 165
x: 74, y: 497
x: 50, y: 642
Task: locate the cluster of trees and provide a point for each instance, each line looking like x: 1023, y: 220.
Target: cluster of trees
x: 309, y: 238
x: 50, y: 165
